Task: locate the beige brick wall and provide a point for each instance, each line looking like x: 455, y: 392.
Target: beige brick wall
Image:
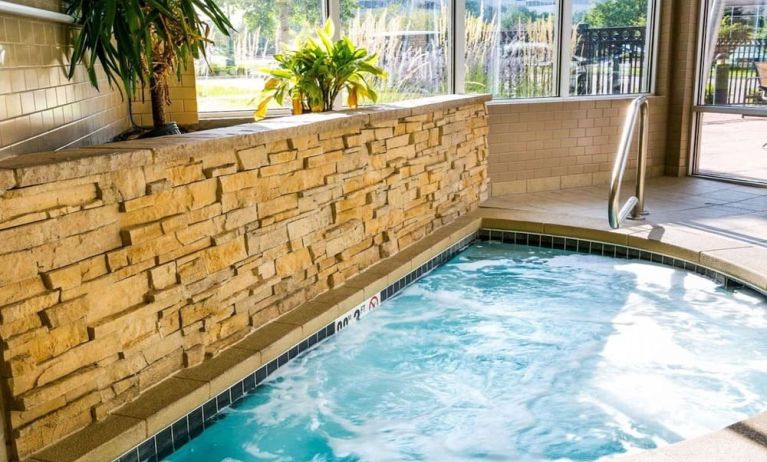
x: 681, y: 46
x: 559, y: 145
x: 40, y: 109
x: 183, y: 109
x: 122, y: 264
x: 51, y: 5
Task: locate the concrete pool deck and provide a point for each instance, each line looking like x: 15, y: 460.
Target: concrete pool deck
x: 719, y: 225
x: 729, y: 210
x: 737, y: 251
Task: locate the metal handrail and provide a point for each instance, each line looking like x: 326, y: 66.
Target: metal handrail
x: 635, y: 204
x: 37, y: 13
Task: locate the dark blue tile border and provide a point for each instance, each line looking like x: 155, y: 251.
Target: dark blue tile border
x: 427, y: 267
x: 613, y: 251
x: 171, y: 438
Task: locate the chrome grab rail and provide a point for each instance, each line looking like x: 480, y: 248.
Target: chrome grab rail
x: 635, y: 204
x: 37, y: 13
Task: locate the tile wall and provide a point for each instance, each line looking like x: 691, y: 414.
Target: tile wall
x: 559, y: 145
x: 183, y: 108
x: 40, y: 108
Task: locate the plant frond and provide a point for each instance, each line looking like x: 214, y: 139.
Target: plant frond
x: 317, y: 70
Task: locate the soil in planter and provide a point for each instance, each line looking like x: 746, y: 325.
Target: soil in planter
x: 135, y: 133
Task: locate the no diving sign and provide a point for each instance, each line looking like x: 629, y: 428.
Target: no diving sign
x: 358, y: 312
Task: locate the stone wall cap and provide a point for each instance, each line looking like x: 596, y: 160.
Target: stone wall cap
x: 45, y: 167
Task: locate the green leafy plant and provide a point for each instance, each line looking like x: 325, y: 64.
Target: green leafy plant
x: 313, y: 74
x: 141, y: 43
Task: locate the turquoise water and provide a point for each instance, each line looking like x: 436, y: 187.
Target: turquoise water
x: 512, y: 353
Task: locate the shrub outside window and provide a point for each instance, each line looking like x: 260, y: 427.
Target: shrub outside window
x: 511, y: 49
x: 609, y: 47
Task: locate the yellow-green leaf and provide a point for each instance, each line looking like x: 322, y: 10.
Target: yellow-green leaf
x: 271, y: 84
x: 263, y: 106
x: 328, y: 28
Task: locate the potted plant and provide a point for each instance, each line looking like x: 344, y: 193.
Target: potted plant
x: 141, y: 43
x: 313, y: 74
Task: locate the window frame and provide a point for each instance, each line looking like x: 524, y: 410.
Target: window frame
x: 456, y: 70
x: 699, y: 108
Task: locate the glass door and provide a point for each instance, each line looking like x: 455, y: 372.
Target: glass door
x: 731, y: 106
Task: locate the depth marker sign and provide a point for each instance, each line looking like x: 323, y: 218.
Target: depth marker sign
x: 358, y: 312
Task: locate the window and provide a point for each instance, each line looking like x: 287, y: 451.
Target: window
x: 609, y: 50
x: 735, y: 55
x: 521, y: 48
x: 411, y: 39
x: 232, y: 78
x: 731, y: 109
x: 510, y: 48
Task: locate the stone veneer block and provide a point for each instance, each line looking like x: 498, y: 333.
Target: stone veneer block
x: 49, y: 167
x: 125, y: 264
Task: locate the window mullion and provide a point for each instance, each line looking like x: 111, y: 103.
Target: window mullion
x: 565, y: 46
x: 651, y: 46
x: 458, y: 41
x: 332, y: 10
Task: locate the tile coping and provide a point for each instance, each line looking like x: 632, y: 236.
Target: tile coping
x: 355, y: 302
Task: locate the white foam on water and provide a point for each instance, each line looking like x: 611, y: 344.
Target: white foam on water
x: 515, y: 354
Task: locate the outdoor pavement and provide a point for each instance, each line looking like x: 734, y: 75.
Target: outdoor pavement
x: 734, y: 146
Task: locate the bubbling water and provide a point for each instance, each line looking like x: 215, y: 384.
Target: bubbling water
x: 513, y: 353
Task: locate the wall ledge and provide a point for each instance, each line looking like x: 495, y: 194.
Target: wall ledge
x: 43, y: 167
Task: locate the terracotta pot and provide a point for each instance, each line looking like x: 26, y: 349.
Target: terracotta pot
x: 298, y: 106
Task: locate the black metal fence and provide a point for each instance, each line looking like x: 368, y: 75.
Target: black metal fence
x: 612, y: 61
x: 608, y: 61
x: 525, y: 65
x: 733, y: 79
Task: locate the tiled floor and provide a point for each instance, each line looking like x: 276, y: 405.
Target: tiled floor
x: 725, y: 209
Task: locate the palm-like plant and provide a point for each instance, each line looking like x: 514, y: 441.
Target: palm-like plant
x: 317, y: 71
x: 141, y: 43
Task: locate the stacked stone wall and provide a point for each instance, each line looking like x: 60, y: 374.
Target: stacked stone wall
x: 124, y: 263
